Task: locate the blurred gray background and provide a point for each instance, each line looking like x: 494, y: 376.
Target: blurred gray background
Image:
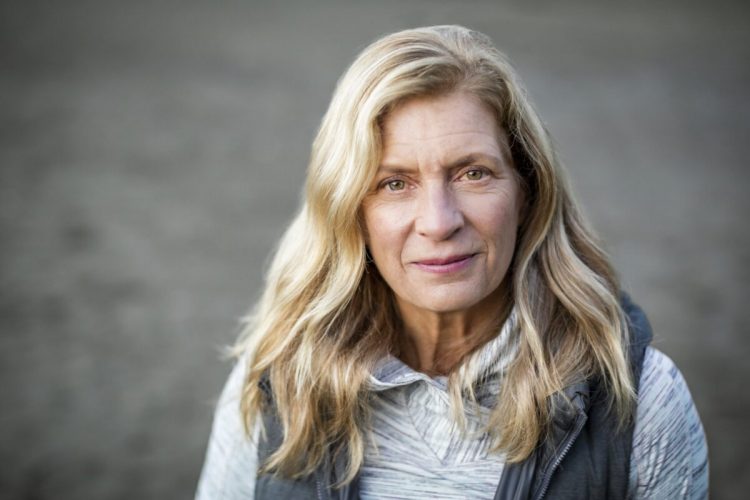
x: 151, y: 154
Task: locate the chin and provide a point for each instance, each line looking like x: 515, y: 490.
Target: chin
x: 454, y: 301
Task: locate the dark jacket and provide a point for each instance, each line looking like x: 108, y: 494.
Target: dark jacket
x: 584, y: 456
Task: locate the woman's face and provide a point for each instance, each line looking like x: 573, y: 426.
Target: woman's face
x: 443, y: 211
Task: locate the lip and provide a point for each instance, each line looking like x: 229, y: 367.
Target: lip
x: 447, y: 265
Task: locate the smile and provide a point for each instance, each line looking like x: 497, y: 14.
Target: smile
x: 446, y: 266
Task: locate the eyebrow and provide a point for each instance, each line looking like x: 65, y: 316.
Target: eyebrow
x: 461, y: 162
x: 467, y: 160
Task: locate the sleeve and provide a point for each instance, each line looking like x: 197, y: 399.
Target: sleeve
x: 670, y: 455
x: 231, y: 458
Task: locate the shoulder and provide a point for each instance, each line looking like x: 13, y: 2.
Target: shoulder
x: 231, y: 458
x: 670, y: 456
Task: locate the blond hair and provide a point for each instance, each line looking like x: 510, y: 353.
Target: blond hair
x: 326, y: 317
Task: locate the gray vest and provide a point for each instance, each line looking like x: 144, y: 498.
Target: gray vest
x: 583, y: 456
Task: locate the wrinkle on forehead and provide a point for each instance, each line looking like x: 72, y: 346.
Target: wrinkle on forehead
x: 421, y: 125
x: 393, y: 139
x: 429, y: 113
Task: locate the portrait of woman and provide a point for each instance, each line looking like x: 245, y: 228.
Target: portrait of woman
x: 438, y: 321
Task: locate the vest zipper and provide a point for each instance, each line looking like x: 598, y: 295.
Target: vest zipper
x: 319, y: 487
x: 569, y: 440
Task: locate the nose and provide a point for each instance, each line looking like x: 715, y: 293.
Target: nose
x: 438, y: 215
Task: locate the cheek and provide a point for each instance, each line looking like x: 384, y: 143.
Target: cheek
x: 382, y: 233
x: 499, y: 224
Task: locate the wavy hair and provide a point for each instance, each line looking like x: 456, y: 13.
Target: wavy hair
x: 326, y: 316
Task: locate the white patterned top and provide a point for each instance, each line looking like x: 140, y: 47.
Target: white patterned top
x: 416, y: 450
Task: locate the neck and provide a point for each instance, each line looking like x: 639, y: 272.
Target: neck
x: 435, y: 342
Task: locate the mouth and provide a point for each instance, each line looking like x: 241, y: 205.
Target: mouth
x: 447, y: 265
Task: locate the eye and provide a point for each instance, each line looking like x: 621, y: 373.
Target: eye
x: 474, y: 174
x: 395, y: 185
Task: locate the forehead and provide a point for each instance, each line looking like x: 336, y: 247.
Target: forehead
x: 453, y: 120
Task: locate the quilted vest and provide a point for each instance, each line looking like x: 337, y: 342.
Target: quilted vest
x: 583, y: 457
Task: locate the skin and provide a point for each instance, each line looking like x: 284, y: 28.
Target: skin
x: 441, y: 220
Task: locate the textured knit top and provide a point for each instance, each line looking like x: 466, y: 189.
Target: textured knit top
x: 415, y: 449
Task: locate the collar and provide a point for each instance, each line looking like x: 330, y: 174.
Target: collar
x: 491, y: 359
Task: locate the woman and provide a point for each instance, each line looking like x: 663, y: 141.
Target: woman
x: 438, y: 322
